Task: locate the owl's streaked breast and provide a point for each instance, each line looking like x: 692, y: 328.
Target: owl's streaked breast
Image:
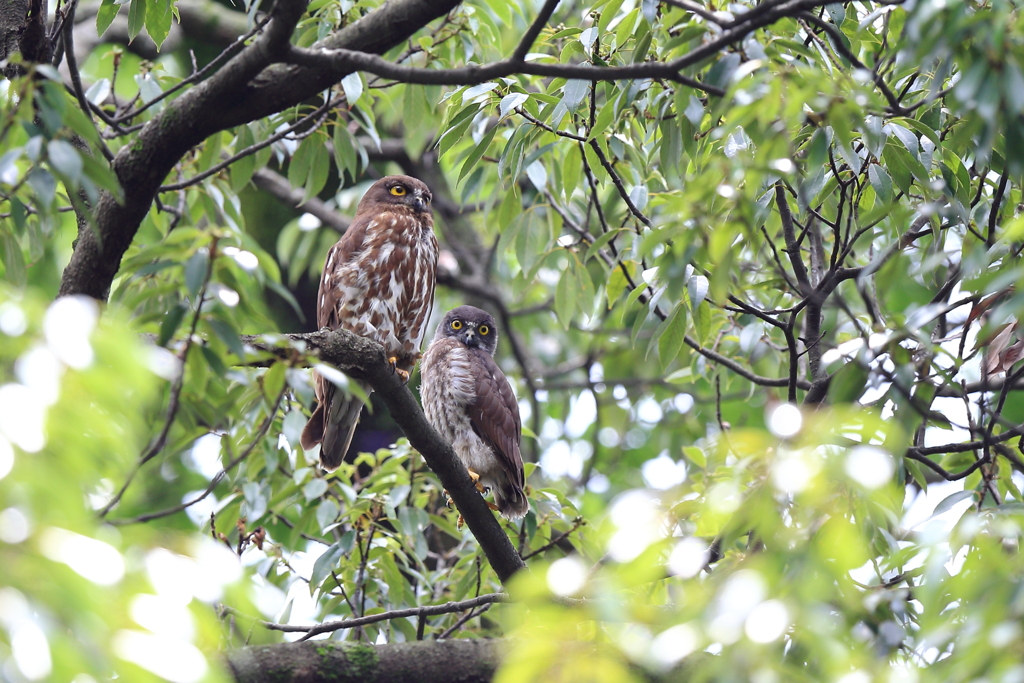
x: 386, y: 291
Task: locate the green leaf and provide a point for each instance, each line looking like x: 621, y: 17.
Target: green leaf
x: 169, y: 325
x: 319, y: 169
x: 510, y: 208
x: 243, y: 169
x: 607, y: 14
x: 511, y: 101
x: 158, y: 21
x: 136, y: 18
x: 353, y: 87
x: 227, y: 333
x: 273, y: 382
x: 697, y: 289
x: 105, y: 15
x: 474, y: 156
x: 99, y: 172
x: 899, y: 164
x: 298, y: 167
x: 44, y: 185
x: 602, y: 242
x: 881, y: 182
x: 565, y: 296
x: 326, y: 512
x: 605, y: 117
x: 195, y: 272
x: 670, y: 336
x: 214, y: 361
x: 696, y: 456
x: 14, y: 259
x: 702, y: 322
x: 314, y: 488
x: 326, y: 563
x: 65, y: 159
x: 572, y: 170
x: 848, y: 383
x: 459, y: 123
x: 345, y: 156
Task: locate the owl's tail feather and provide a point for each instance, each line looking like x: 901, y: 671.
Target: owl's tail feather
x: 512, y: 502
x: 341, y: 425
x: 313, y: 432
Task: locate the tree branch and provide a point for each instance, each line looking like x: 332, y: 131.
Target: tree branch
x: 364, y: 359
x: 277, y: 185
x: 342, y: 60
x: 443, y: 661
x: 423, y: 611
x: 246, y: 88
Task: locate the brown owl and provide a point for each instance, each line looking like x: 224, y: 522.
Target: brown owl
x: 379, y: 283
x: 469, y: 401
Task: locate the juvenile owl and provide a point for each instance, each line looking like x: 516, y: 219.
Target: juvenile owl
x: 469, y: 401
x: 379, y: 283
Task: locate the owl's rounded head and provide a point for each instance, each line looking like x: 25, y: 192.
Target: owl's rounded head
x: 398, y: 190
x: 471, y: 326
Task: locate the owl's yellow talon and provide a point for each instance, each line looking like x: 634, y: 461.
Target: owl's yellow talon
x: 476, y: 480
x: 404, y: 374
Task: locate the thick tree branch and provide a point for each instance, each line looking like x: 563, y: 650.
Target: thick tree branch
x: 444, y: 661
x: 247, y: 88
x: 364, y: 359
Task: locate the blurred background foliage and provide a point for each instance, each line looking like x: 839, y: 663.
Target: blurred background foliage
x: 765, y: 344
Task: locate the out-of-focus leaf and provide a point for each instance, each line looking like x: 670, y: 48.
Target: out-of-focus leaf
x: 195, y: 272
x: 136, y: 18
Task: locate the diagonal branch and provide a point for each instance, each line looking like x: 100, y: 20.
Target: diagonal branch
x: 364, y: 359
x: 530, y: 37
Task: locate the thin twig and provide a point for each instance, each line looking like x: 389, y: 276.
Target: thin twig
x: 424, y: 611
x: 260, y: 433
x: 252, y: 149
x: 76, y: 78
x: 174, y: 402
x: 577, y: 523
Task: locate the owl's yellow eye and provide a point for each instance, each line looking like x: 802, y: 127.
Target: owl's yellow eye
x: 484, y: 330
x: 398, y: 191
x: 456, y: 324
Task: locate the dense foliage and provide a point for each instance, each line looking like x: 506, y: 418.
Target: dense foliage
x: 756, y: 271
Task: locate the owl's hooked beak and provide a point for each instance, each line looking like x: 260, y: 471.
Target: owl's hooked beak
x: 419, y: 202
x: 470, y: 339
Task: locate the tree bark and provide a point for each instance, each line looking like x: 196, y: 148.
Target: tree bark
x: 23, y: 29
x: 444, y: 661
x: 13, y: 18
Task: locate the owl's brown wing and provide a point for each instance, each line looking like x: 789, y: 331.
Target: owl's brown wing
x: 494, y: 415
x: 333, y: 425
x: 347, y: 249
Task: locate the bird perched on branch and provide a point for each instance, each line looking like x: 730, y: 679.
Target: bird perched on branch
x: 378, y: 282
x: 467, y: 398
